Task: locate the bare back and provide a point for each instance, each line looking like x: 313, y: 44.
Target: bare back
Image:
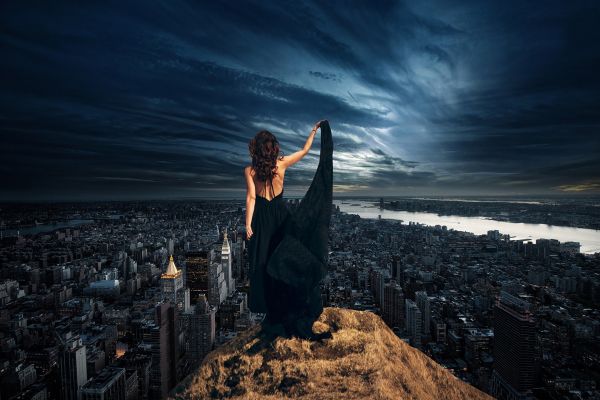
x: 263, y: 188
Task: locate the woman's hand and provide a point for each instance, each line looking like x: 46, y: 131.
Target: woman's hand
x: 317, y: 125
x: 249, y: 232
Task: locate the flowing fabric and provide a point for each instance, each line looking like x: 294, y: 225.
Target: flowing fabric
x: 288, y: 252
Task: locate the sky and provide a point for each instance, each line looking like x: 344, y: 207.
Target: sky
x: 157, y: 100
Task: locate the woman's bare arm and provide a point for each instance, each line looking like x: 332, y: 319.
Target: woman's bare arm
x: 297, y: 156
x: 250, y: 201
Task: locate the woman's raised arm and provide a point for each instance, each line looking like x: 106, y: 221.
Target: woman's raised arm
x: 297, y: 156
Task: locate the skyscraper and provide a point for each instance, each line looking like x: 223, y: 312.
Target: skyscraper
x: 197, y: 273
x: 108, y: 385
x: 172, y: 286
x: 423, y: 303
x: 201, y: 331
x: 514, y: 348
x: 439, y: 329
x: 393, y: 304
x: 378, y: 278
x: 226, y: 265
x: 171, y: 245
x: 72, y: 367
x: 160, y: 337
x: 237, y: 249
x: 140, y: 361
x: 413, y: 323
x: 217, y: 287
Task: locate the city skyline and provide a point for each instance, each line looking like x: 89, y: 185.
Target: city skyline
x: 159, y: 101
x: 131, y: 300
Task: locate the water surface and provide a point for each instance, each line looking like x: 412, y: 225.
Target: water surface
x: 588, y: 238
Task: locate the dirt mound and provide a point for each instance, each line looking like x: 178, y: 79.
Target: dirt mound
x: 363, y: 360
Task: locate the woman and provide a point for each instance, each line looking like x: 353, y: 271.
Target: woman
x: 287, y: 248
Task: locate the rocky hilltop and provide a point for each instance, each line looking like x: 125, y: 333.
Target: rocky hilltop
x: 363, y: 360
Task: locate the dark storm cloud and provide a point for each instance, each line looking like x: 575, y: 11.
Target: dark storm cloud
x: 392, y: 160
x: 160, y: 100
x: 324, y: 75
x: 533, y: 119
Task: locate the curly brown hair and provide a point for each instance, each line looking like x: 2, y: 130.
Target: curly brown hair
x: 264, y: 150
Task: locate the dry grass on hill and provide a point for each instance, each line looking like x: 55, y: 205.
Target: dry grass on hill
x: 363, y: 360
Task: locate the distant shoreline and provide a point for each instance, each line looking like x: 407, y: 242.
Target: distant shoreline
x: 571, y: 214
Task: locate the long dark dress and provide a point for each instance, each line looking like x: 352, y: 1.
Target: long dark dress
x: 288, y: 252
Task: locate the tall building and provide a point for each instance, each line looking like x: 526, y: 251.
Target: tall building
x: 201, y: 328
x: 478, y: 343
x: 226, y: 265
x: 120, y: 263
x: 413, y: 322
x: 237, y: 251
x: 108, y: 385
x: 439, y: 329
x: 514, y: 348
x: 422, y: 301
x: 217, y: 287
x: 17, y: 380
x: 72, y: 367
x: 393, y: 304
x: 139, y: 361
x: 378, y: 278
x: 231, y: 310
x: 197, y: 273
x: 172, y: 286
x: 131, y: 267
x: 160, y: 337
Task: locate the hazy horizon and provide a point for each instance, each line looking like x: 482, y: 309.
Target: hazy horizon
x: 242, y: 196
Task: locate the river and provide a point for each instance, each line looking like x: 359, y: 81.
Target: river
x: 32, y: 230
x: 588, y: 238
